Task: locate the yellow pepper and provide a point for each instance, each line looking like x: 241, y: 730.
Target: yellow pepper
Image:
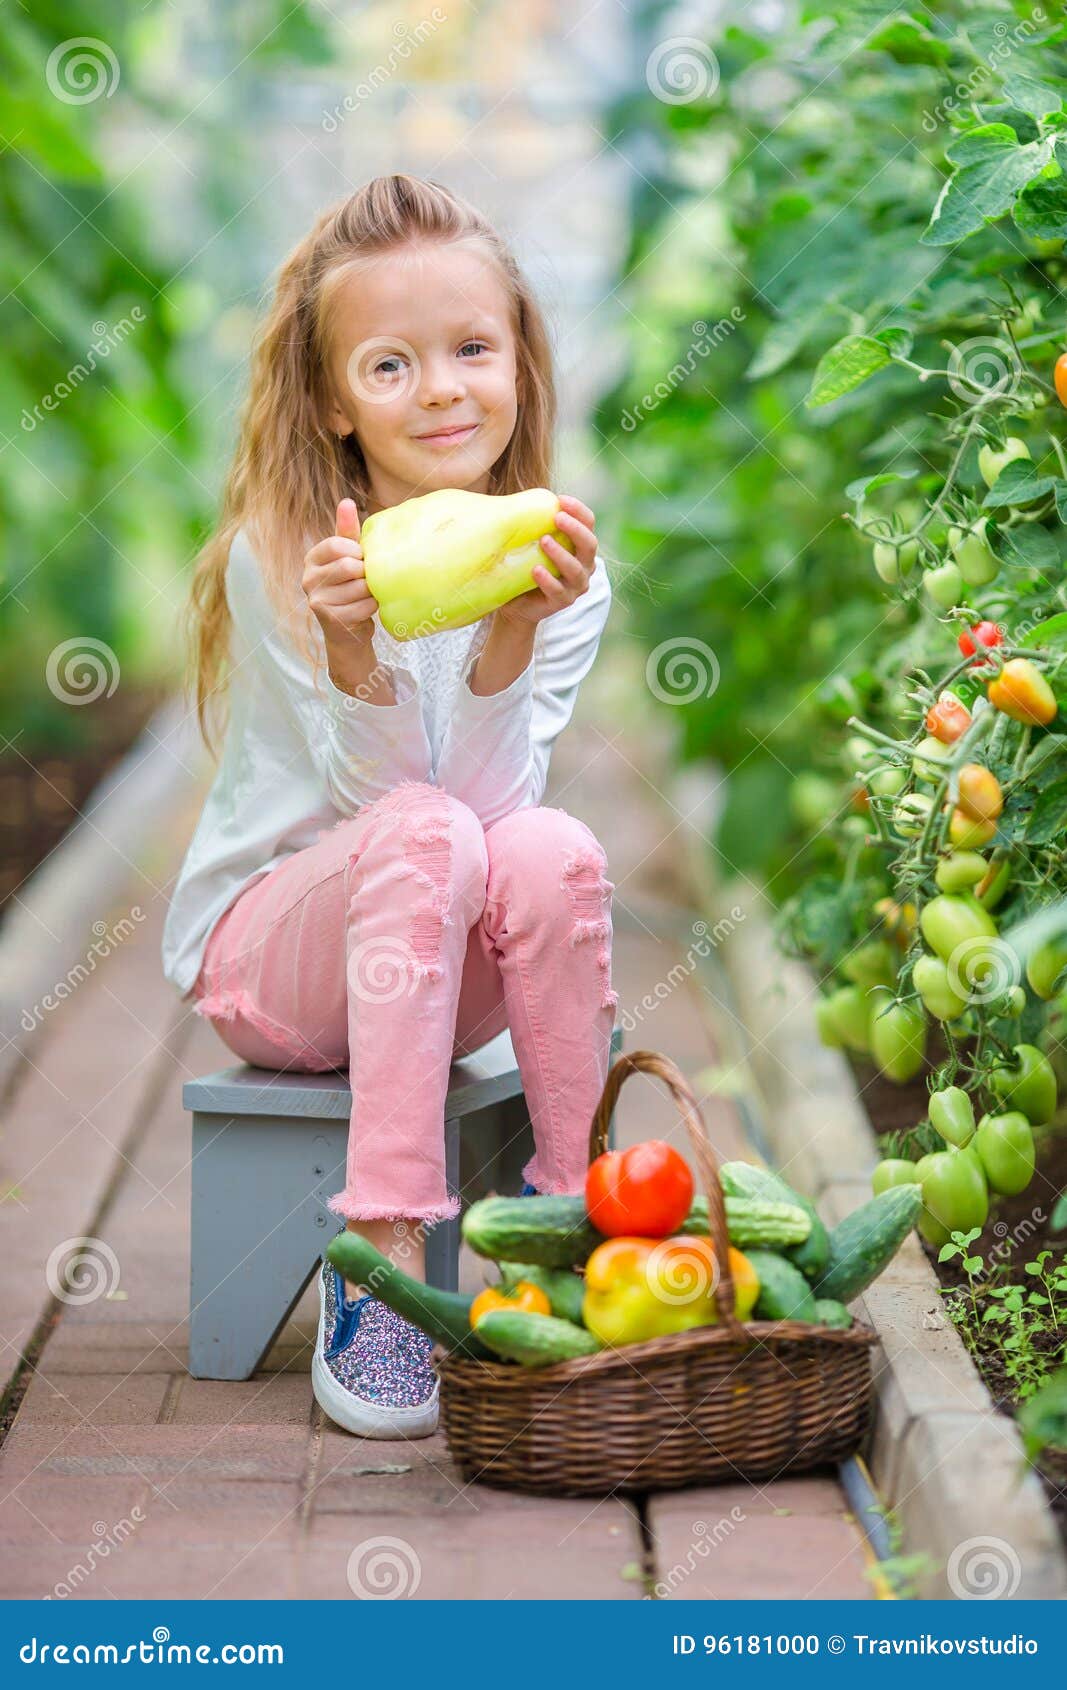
x: 638, y: 1288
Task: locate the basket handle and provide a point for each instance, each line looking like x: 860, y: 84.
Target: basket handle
x: 652, y: 1062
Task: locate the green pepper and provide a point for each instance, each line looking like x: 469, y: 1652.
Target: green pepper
x: 894, y: 1170
x: 1028, y: 1084
x: 955, y: 1193
x: 931, y: 980
x: 897, y: 1036
x: 952, y: 1114
x: 1005, y: 1145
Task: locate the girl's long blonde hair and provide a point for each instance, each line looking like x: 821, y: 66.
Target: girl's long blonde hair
x: 290, y: 468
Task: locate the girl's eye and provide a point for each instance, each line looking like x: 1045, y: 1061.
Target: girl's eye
x: 480, y: 344
x: 388, y: 366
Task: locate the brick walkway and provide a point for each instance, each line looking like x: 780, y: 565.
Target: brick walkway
x: 244, y: 1489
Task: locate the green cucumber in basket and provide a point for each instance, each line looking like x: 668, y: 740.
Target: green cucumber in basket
x: 865, y: 1242
x: 744, y: 1179
x: 535, y: 1340
x: 784, y: 1293
x: 753, y: 1220
x: 831, y: 1313
x: 563, y: 1287
x: 556, y: 1232
x: 551, y: 1232
x: 443, y: 1315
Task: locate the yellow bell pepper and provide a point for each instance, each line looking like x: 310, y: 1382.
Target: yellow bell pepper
x: 638, y: 1288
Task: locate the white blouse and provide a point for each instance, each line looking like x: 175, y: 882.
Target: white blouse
x: 296, y: 759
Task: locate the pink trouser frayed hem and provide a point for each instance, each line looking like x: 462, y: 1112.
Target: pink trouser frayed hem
x: 347, y: 1204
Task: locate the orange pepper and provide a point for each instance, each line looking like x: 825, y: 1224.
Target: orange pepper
x: 526, y: 1297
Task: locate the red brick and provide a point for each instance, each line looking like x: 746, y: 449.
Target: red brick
x: 270, y: 1399
x: 68, y: 1399
x: 796, y: 1556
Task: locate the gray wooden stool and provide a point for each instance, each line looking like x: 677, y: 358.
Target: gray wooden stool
x: 269, y: 1148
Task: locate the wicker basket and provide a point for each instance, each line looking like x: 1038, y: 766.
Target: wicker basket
x: 730, y: 1401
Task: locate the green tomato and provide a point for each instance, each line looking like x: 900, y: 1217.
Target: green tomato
x: 977, y: 563
x: 991, y: 894
x: 930, y: 758
x: 954, y: 926
x: 1045, y: 967
x: 859, y: 754
x: 897, y: 1036
x: 851, y: 1016
x: 910, y: 814
x: 892, y: 1171
x: 955, y: 1193
x: 1005, y: 1145
x: 826, y: 1025
x: 872, y: 964
x: 812, y: 799
x: 960, y: 870
x: 888, y: 782
x: 944, y: 586
x: 1016, y: 1000
x: 952, y: 1115
x: 892, y: 562
x: 992, y: 463
x: 1028, y: 1084
x: 931, y: 981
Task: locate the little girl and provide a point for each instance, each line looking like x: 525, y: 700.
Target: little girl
x: 374, y: 882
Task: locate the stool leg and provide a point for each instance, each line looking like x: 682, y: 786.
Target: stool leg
x: 258, y: 1229
x: 442, y: 1241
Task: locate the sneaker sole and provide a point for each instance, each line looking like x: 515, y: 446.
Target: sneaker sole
x: 363, y: 1418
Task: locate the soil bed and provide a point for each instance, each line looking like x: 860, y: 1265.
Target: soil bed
x: 1018, y: 1229
x: 43, y: 787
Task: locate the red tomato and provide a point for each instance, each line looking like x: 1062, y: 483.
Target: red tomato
x: 643, y: 1192
x: 1060, y: 378
x: 948, y: 718
x: 986, y: 633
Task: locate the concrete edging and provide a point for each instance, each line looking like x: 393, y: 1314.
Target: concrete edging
x: 949, y: 1465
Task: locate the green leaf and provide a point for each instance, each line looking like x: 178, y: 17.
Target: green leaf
x: 1051, y: 632
x: 783, y: 341
x: 1018, y: 483
x: 845, y: 366
x: 909, y: 42
x: 996, y: 170
x: 1030, y: 94
x: 1031, y: 547
x: 858, y: 490
x: 1048, y: 818
x: 1041, y: 209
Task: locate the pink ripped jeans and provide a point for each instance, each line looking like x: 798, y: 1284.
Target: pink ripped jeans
x: 406, y: 936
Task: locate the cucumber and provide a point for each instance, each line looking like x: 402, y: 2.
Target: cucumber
x: 552, y: 1232
x: 563, y: 1288
x: 784, y: 1293
x: 535, y: 1340
x: 743, y: 1179
x: 443, y: 1315
x: 831, y: 1313
x: 753, y: 1220
x: 866, y: 1241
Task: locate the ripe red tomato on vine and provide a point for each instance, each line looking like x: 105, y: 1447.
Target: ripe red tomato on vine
x: 1059, y: 377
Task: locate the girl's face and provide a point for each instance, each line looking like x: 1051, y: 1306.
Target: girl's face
x: 422, y: 344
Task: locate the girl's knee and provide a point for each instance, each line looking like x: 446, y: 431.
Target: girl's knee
x: 539, y: 842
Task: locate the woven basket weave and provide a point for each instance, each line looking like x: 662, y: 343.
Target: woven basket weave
x: 730, y: 1401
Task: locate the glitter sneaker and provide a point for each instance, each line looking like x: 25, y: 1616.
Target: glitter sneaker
x: 371, y: 1371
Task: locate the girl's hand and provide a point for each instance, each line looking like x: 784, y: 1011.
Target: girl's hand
x: 335, y: 582
x: 550, y: 594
